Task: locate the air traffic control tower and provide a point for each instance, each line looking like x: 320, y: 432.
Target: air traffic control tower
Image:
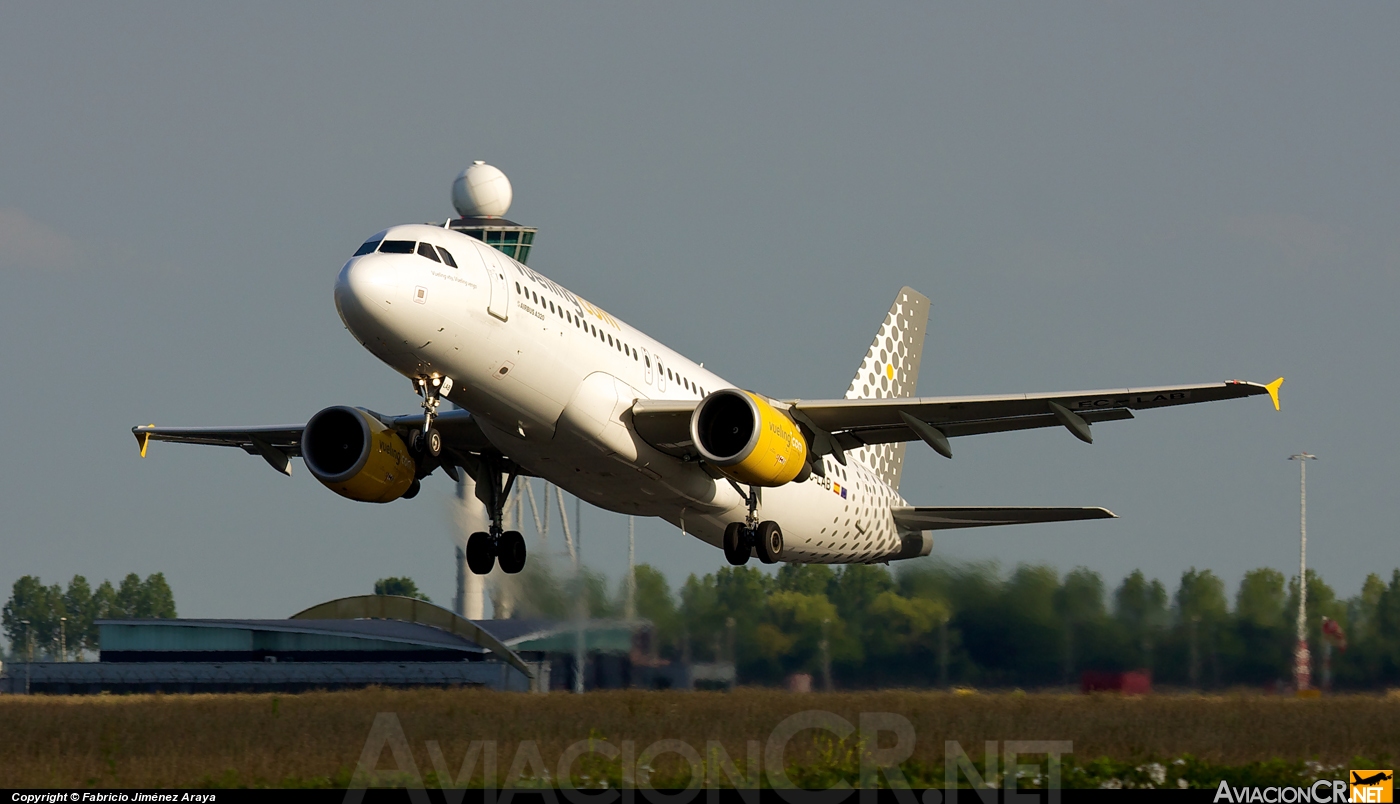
x: 482, y: 195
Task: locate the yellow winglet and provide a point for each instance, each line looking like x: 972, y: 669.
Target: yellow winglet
x: 143, y: 439
x: 1272, y: 388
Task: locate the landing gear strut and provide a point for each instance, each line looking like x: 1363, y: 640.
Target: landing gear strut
x: 484, y: 549
x: 751, y: 535
x: 428, y: 440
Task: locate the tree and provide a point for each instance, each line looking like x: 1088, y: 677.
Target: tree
x: 403, y: 587
x: 1322, y: 600
x: 127, y: 604
x: 907, y: 624
x: 156, y: 599
x: 854, y: 588
x: 1201, y: 613
x: 1140, y: 609
x: 656, y: 603
x: 77, y: 602
x: 1261, y: 628
x: 1013, y: 634
x: 41, y: 606
x: 808, y: 579
x: 1080, y: 604
x: 104, y: 607
x: 791, y: 633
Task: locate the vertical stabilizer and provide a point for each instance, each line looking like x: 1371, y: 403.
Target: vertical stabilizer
x: 891, y: 370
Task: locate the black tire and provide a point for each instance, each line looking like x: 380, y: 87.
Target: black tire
x: 512, y: 552
x: 413, y: 489
x: 770, y: 542
x: 736, y: 545
x: 432, y: 445
x: 415, y: 441
x: 481, y: 556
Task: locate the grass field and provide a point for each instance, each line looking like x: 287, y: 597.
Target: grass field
x: 317, y: 738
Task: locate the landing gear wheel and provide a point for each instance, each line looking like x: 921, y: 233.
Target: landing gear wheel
x: 770, y: 542
x: 512, y: 552
x: 413, y: 489
x: 481, y: 555
x: 736, y: 544
x: 432, y: 443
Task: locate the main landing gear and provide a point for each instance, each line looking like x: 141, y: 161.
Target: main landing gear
x: 484, y: 549
x: 742, y: 538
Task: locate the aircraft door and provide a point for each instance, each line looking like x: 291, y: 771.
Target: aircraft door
x: 499, y: 305
x: 646, y: 365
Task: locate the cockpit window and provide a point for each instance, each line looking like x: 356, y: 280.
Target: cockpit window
x: 396, y: 247
x: 368, y: 247
x: 427, y: 250
x: 446, y: 256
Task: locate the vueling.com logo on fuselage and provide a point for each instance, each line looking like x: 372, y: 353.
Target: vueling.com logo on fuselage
x: 1375, y: 786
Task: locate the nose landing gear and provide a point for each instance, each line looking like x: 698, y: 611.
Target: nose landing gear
x: 750, y: 536
x: 428, y: 440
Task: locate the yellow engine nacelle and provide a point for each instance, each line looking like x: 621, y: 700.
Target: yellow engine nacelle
x: 748, y: 439
x: 356, y: 455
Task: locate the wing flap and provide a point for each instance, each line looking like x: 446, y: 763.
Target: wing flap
x: 665, y: 424
x: 947, y: 518
x: 854, y: 439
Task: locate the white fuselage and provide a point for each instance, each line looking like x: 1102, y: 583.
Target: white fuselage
x: 551, y: 379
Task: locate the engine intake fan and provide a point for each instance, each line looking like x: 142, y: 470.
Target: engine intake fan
x: 356, y: 455
x: 748, y: 440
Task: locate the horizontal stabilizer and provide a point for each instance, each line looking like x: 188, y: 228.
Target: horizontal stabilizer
x: 926, y: 517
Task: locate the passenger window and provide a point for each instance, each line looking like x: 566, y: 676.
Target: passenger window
x: 648, y: 361
x: 427, y: 250
x: 446, y: 256
x: 517, y: 287
x: 368, y: 247
x: 396, y: 247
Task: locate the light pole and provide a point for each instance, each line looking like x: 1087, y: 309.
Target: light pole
x: 630, y: 610
x: 1302, y: 661
x: 63, y: 639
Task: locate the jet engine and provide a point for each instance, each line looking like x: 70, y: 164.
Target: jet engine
x: 748, y: 439
x: 355, y: 455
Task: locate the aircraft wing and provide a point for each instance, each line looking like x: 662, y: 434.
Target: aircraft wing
x: 836, y: 425
x: 854, y: 423
x: 277, y: 444
x: 947, y: 518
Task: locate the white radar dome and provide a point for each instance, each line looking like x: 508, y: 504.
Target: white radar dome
x: 482, y: 191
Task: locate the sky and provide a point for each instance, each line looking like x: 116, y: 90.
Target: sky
x: 1093, y: 195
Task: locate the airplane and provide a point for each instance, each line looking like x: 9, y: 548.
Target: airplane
x: 1374, y: 779
x: 546, y: 384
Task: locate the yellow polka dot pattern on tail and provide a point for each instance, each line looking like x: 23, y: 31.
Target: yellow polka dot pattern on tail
x: 891, y: 370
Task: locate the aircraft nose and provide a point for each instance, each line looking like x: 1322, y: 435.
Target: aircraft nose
x: 367, y: 284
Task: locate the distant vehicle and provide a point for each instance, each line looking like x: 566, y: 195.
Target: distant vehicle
x: 552, y: 386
